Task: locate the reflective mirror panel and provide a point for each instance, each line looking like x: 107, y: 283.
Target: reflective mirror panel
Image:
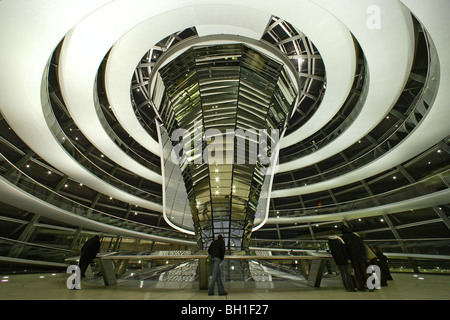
x: 225, y: 108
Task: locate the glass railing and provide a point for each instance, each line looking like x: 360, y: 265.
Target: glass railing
x: 146, y: 157
x: 126, y: 148
x: 425, y: 255
x: 424, y: 187
x: 99, y: 172
x: 412, y: 118
x: 422, y: 246
x: 282, y: 247
x: 357, y: 96
x: 34, y: 188
x: 306, y: 60
x: 84, y: 161
x: 29, y: 251
x: 388, y: 144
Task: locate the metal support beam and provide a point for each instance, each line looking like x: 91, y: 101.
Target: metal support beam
x: 75, y: 238
x: 406, y: 174
x: 16, y: 250
x: 19, y: 163
x: 28, y: 231
x: 391, y: 226
x: 444, y: 146
x: 93, y: 204
x: 442, y: 215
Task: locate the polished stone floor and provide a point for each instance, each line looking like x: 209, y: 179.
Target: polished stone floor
x: 405, y: 286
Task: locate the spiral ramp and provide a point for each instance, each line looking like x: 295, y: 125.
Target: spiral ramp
x: 367, y: 146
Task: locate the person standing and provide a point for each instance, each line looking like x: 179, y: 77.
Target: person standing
x: 341, y: 258
x: 217, y: 252
x: 88, y: 252
x: 357, y: 253
x: 382, y: 263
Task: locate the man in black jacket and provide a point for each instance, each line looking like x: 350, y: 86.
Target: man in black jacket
x: 357, y: 253
x: 88, y: 253
x: 341, y: 258
x: 217, y: 253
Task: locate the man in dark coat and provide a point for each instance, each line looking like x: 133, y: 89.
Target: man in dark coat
x: 88, y: 252
x: 217, y: 252
x: 341, y: 258
x: 357, y: 253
